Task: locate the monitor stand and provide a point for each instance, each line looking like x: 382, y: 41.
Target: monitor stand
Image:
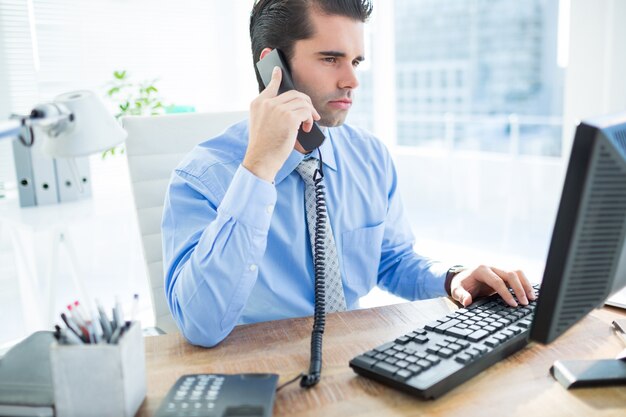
x: 589, y: 373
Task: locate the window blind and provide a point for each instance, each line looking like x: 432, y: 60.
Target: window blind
x: 197, y: 50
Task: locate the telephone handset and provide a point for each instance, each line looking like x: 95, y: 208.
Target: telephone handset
x: 308, y: 140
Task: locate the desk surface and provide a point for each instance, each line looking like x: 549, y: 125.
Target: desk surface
x: 519, y: 385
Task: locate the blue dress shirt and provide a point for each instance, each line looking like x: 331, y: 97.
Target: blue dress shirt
x: 236, y: 248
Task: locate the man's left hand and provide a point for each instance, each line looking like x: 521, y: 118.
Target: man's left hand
x: 482, y: 281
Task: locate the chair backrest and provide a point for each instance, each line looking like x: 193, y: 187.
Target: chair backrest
x: 154, y: 147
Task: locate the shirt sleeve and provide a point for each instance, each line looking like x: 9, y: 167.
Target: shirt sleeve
x: 211, y: 251
x: 402, y: 271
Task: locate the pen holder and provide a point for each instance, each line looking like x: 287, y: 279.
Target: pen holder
x: 100, y: 379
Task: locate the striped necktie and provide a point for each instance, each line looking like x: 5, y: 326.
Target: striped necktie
x: 335, y: 300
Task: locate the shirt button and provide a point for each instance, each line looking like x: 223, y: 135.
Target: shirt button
x: 252, y: 267
x: 269, y: 209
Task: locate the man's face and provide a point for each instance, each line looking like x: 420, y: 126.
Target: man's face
x: 323, y: 67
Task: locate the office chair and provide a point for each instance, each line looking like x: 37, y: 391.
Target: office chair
x: 154, y: 147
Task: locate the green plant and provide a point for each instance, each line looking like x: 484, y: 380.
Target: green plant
x: 132, y: 99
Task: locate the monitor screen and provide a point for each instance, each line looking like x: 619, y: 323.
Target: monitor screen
x: 587, y: 257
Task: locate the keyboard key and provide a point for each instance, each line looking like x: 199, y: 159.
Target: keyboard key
x: 385, y: 369
x: 500, y: 337
x: 462, y: 343
x: 505, y: 322
x: 421, y: 339
x: 364, y: 361
x: 421, y: 355
x: 420, y: 331
x: 473, y: 352
x: 524, y: 323
x: 462, y: 326
x: 403, y: 340
x: 444, y: 326
x: 415, y: 369
x: 450, y: 339
x: 391, y: 360
x: 384, y: 347
x: 462, y: 333
x: 411, y: 359
x: 445, y: 353
x: 474, y: 327
x: 515, y: 329
x: 409, y: 351
x: 482, y: 349
x: 433, y: 349
x: 380, y: 356
x: 509, y: 334
x: 402, y: 364
x: 455, y: 347
x: 431, y: 326
x: 492, y: 342
x: 390, y: 352
x: 400, y: 355
x: 497, y: 325
x: 463, y: 358
x: 490, y: 329
x: 371, y: 353
x: 471, y: 322
x: 477, y: 335
x: 424, y: 364
x: 517, y: 314
x: 433, y: 359
x: 403, y: 374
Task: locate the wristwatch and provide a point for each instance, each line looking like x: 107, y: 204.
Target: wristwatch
x: 450, y: 274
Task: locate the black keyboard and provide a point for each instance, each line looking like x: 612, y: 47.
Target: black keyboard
x: 430, y: 361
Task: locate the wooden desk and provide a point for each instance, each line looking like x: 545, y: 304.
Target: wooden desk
x: 519, y: 385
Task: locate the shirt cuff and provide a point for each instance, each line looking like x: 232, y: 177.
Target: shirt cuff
x: 436, y: 286
x: 249, y: 199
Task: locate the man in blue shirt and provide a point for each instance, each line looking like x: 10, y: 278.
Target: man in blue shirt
x: 235, y: 239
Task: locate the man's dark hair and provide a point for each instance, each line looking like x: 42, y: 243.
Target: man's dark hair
x: 280, y: 23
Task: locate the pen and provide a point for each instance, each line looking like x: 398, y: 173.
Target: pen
x: 104, y: 322
x: 116, y: 335
x: 118, y: 314
x: 79, y: 323
x: 57, y: 332
x: 81, y: 312
x: 70, y: 338
x: 69, y: 322
x: 74, y: 314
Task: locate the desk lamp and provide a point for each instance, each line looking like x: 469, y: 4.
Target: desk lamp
x: 75, y: 124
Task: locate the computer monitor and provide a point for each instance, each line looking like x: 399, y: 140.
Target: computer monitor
x: 587, y: 257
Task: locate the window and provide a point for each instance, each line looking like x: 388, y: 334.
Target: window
x: 495, y: 53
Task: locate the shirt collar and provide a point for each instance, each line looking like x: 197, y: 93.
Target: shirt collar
x: 328, y: 157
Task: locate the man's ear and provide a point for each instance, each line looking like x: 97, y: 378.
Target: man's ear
x: 264, y: 52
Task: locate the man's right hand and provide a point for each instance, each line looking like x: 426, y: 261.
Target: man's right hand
x: 274, y: 123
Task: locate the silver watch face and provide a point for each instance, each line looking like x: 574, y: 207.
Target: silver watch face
x: 456, y: 269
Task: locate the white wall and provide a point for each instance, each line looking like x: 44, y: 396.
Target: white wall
x: 595, y: 81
